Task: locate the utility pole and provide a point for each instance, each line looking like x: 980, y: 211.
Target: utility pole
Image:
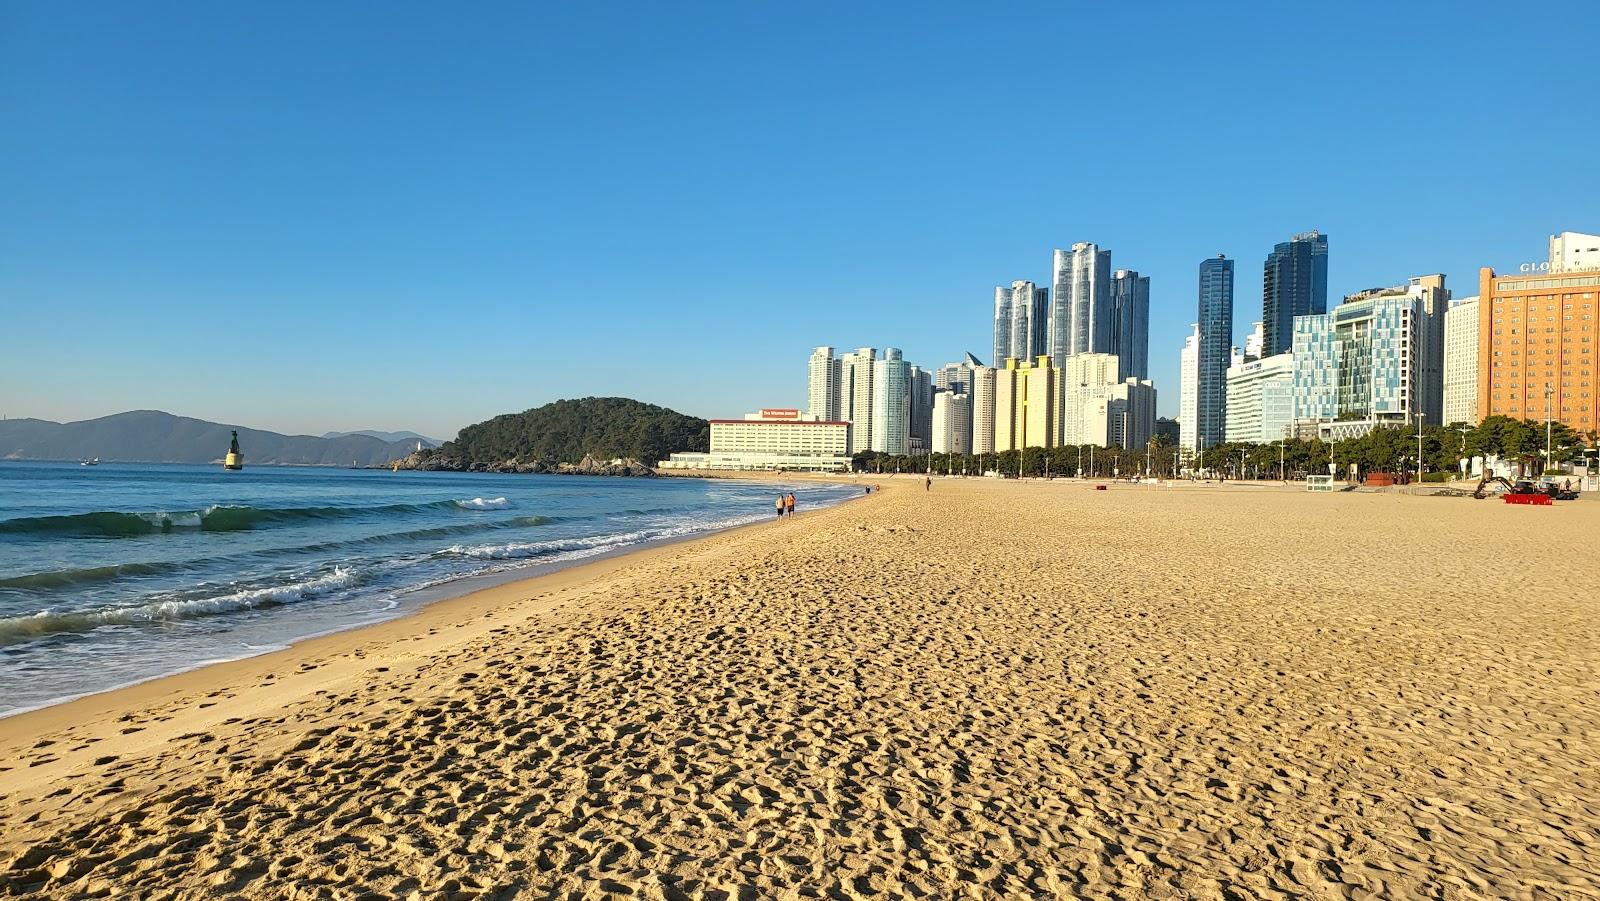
x: 1280, y: 461
x: 1241, y: 464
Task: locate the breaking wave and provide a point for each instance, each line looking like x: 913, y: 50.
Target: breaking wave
x: 17, y: 629
x: 478, y: 503
x: 218, y: 518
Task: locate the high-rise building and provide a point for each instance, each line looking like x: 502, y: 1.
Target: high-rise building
x: 1216, y: 341
x: 1026, y: 404
x: 956, y: 377
x: 1461, y: 362
x: 1189, y: 391
x: 1002, y: 324
x: 1537, y: 334
x: 921, y: 390
x: 952, y: 423
x: 1080, y: 303
x: 891, y: 404
x: 1087, y: 382
x: 1261, y: 399
x: 1021, y: 321
x: 1253, y: 343
x: 1130, y: 322
x: 1574, y: 252
x: 823, y: 385
x: 1432, y: 299
x: 1168, y: 430
x: 1355, y: 368
x: 855, y: 395
x: 1294, y: 283
x: 983, y: 409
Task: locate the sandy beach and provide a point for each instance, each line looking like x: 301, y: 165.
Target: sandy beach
x: 990, y: 689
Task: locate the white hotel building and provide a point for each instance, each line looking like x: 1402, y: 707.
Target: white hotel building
x: 772, y: 439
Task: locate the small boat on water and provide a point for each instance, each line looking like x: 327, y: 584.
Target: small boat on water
x: 234, y: 461
x: 93, y: 461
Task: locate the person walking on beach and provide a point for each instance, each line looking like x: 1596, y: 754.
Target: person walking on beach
x: 780, y: 506
x: 788, y: 503
x: 927, y: 484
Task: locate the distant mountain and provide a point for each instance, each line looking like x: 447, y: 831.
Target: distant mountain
x: 390, y: 437
x: 150, y: 436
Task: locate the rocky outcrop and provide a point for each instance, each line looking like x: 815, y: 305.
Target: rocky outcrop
x: 435, y: 460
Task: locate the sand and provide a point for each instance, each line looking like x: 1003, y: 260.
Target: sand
x: 989, y: 690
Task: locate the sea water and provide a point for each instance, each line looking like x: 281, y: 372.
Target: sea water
x: 115, y: 573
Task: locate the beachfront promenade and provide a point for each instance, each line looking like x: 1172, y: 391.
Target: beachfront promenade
x: 988, y: 689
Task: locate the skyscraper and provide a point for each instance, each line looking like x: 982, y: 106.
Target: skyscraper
x: 1130, y: 318
x: 1216, y: 343
x: 891, y: 404
x: 855, y: 396
x: 822, y: 385
x: 1189, y: 389
x: 1021, y: 322
x: 1002, y: 324
x: 1294, y: 283
x: 1080, y: 305
x: 920, y: 385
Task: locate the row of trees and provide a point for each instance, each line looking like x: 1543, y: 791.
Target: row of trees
x: 1382, y: 449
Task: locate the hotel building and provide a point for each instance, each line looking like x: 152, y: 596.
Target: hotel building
x: 1027, y: 401
x: 774, y: 438
x: 1261, y: 399
x: 1433, y: 299
x: 1355, y: 368
x: 1461, y: 362
x: 1537, y: 334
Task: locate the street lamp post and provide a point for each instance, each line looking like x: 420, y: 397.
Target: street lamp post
x: 1419, y: 448
x: 1549, y: 389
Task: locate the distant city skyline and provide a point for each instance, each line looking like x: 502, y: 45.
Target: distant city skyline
x: 429, y: 220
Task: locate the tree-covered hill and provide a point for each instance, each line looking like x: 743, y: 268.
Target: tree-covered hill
x: 568, y: 430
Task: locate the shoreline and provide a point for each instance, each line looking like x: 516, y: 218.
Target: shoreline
x: 419, y: 600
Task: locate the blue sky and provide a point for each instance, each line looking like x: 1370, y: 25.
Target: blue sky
x: 310, y: 216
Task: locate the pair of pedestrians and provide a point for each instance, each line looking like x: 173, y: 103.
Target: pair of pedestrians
x: 785, y: 504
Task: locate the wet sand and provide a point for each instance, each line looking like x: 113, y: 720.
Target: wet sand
x: 991, y: 689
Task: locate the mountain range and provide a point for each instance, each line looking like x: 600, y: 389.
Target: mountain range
x: 151, y: 436
x: 388, y: 436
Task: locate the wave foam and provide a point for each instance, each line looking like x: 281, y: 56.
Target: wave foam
x: 478, y: 503
x: 16, y: 629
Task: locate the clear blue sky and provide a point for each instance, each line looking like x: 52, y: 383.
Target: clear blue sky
x: 309, y: 216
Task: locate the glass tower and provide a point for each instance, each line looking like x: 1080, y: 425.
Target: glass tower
x: 1216, y: 343
x: 1130, y: 323
x: 1294, y: 283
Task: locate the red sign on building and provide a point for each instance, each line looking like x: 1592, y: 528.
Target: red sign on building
x: 779, y: 413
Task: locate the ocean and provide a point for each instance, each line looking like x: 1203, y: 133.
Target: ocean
x: 117, y: 573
